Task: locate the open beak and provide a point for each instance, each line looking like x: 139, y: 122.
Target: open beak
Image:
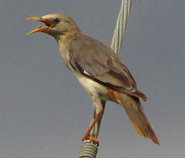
x: 41, y: 28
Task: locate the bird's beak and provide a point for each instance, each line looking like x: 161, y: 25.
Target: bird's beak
x: 42, y: 28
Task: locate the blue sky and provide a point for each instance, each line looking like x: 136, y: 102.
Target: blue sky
x: 44, y: 111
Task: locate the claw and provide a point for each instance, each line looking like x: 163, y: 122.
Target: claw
x: 92, y: 139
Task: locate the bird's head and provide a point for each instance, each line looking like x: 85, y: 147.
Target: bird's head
x: 55, y: 24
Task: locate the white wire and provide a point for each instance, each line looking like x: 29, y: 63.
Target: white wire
x: 121, y: 25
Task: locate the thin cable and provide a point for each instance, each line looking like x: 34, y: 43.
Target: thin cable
x: 121, y: 25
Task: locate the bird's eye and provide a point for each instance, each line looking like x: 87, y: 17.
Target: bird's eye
x: 56, y: 20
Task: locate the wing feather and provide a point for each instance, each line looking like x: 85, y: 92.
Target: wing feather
x: 98, y: 61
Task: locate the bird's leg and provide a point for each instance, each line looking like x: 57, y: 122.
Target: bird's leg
x: 96, y: 129
x: 87, y: 135
x: 99, y: 109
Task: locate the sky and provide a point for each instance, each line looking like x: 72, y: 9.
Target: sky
x: 44, y: 111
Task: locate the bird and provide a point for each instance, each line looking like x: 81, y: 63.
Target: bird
x: 99, y: 70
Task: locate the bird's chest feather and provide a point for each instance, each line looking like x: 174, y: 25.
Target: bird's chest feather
x: 92, y: 87
x: 63, y: 49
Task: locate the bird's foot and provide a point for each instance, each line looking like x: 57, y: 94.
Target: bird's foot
x: 91, y: 138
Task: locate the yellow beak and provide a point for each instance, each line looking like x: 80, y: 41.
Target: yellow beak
x: 42, y: 28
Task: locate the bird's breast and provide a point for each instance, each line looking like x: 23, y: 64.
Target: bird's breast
x: 92, y: 87
x: 64, y: 51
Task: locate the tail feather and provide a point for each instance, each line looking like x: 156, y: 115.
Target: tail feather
x: 136, y: 115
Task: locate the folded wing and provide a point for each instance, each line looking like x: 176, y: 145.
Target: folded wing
x: 98, y: 61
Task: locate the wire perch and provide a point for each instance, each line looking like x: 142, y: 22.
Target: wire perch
x: 88, y: 149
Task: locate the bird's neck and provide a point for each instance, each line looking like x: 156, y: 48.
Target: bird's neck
x: 69, y: 36
x: 64, y: 42
x: 66, y: 38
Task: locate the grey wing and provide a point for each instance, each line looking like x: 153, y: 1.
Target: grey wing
x: 98, y: 62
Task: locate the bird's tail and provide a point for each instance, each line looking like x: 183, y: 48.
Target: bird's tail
x: 136, y: 115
